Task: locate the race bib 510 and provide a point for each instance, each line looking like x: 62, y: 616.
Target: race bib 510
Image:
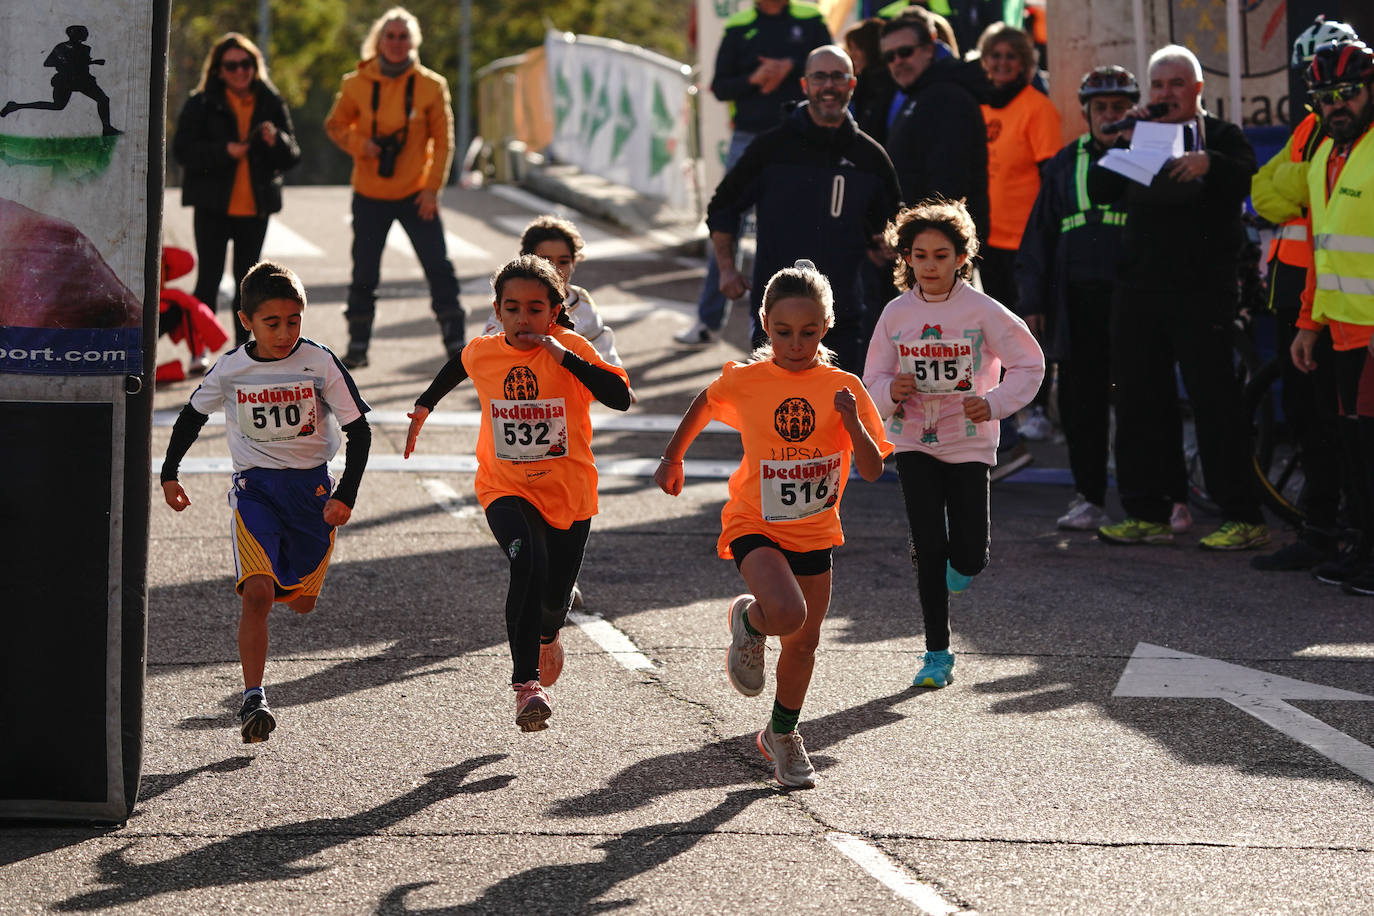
x: 272, y: 413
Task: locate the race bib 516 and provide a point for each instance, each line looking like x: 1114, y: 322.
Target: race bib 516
x: 796, y: 489
x: 940, y: 366
x: 272, y: 413
x: 529, y: 430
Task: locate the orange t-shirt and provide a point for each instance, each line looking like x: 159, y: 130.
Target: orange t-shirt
x: 796, y: 452
x: 536, y: 433
x: 1020, y: 137
x: 241, y: 202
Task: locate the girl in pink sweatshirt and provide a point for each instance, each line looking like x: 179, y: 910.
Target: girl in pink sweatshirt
x: 945, y: 363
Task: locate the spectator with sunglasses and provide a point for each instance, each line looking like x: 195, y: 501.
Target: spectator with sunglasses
x: 233, y: 141
x: 1340, y: 289
x: 1278, y: 193
x: 936, y: 138
x: 394, y: 117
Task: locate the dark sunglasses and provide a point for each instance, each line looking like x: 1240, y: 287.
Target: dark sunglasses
x: 903, y: 52
x: 1336, y: 94
x: 230, y: 66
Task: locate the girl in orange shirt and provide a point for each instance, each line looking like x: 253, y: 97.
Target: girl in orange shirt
x: 799, y: 418
x: 536, y: 479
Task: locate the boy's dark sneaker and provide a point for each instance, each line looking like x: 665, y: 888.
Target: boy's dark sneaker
x: 255, y: 719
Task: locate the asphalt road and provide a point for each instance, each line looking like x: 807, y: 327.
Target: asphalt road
x: 1133, y: 730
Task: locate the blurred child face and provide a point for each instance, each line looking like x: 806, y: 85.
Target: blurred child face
x: 525, y: 312
x: 560, y: 254
x: 934, y: 262
x: 276, y: 326
x: 795, y: 326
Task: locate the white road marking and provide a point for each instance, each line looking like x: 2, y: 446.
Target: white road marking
x: 1155, y: 671
x: 616, y: 643
x: 888, y: 873
x: 284, y: 243
x: 472, y: 419
x: 450, y: 500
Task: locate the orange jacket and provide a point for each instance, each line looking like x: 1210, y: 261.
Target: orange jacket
x: 423, y: 163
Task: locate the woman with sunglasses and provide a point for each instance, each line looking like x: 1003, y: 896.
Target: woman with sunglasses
x: 233, y: 140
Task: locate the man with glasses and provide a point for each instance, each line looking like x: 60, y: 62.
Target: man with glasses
x: 1278, y: 193
x: 760, y: 58
x: 937, y: 138
x: 1176, y: 296
x: 823, y: 190
x: 1340, y: 293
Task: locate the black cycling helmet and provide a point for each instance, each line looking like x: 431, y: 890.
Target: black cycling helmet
x: 1340, y: 62
x: 1108, y: 81
x: 1322, y: 31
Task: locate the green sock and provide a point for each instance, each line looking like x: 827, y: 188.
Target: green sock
x: 749, y: 627
x: 784, y: 719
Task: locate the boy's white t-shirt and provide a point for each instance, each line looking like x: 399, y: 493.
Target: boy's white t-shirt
x: 283, y: 413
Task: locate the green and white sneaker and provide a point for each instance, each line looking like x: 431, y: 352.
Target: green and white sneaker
x: 937, y: 670
x: 1236, y: 536
x: 1137, y: 531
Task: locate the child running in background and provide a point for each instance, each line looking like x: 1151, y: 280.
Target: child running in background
x: 799, y: 417
x: 284, y: 398
x: 933, y: 367
x: 536, y: 479
x: 557, y: 241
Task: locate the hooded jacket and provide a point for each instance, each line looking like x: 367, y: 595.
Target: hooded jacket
x: 423, y: 162
x: 821, y: 193
x: 939, y: 142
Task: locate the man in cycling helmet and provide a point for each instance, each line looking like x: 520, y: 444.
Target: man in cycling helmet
x: 1340, y: 291
x: 1066, y: 272
x: 1278, y: 192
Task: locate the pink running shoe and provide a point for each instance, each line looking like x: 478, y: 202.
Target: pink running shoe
x: 532, y: 707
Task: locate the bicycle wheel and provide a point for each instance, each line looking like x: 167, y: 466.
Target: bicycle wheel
x: 1278, y: 457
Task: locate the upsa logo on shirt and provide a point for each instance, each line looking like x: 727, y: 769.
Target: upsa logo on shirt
x: 521, y: 384
x: 794, y: 419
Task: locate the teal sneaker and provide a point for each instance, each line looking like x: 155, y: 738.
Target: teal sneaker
x: 955, y: 581
x: 937, y: 670
x: 1236, y: 536
x: 1137, y: 531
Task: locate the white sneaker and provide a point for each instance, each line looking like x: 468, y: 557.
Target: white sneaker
x: 1083, y: 516
x: 696, y: 335
x: 1036, y: 426
x: 1180, y: 520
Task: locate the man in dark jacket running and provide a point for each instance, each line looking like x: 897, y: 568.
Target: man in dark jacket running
x: 823, y: 190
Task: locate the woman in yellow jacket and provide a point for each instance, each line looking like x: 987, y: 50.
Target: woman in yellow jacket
x: 394, y: 118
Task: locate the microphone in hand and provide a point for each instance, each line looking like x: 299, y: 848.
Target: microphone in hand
x: 1155, y: 110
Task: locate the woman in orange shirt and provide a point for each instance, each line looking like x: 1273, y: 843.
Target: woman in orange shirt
x: 536, y: 478
x: 799, y: 419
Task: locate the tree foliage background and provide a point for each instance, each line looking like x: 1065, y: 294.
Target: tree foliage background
x: 313, y: 43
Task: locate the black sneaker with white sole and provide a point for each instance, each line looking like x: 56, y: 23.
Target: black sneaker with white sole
x: 255, y: 719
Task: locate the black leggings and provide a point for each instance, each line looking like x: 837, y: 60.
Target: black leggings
x: 544, y: 562
x: 947, y: 509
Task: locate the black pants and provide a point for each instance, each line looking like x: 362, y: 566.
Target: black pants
x: 372, y: 221
x: 1151, y: 330
x: 213, y: 233
x: 947, y: 510
x: 1309, y: 402
x: 1085, y: 388
x: 1355, y: 434
x: 544, y: 562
